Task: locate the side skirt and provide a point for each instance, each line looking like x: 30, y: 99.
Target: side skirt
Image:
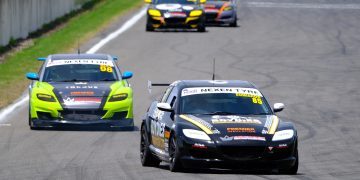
x: 161, y: 154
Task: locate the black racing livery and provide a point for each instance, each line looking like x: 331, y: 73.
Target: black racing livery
x: 219, y: 12
x: 217, y: 124
x: 188, y: 14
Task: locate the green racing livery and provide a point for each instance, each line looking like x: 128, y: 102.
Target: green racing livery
x: 80, y: 90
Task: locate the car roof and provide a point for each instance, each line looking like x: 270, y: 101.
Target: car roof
x: 217, y: 83
x: 79, y: 56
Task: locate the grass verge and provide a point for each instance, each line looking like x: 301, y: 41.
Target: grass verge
x: 65, y: 39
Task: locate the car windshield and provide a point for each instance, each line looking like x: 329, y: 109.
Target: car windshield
x: 79, y: 72
x: 175, y: 2
x: 223, y: 103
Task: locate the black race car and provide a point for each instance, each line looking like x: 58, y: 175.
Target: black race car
x: 217, y: 124
x: 221, y: 12
x: 175, y: 14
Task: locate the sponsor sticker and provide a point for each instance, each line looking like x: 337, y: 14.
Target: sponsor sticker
x: 255, y: 138
x: 82, y: 87
x: 177, y: 14
x: 82, y: 93
x: 247, y: 92
x: 251, y: 138
x: 80, y: 61
x: 81, y: 100
x: 240, y: 130
x: 234, y: 120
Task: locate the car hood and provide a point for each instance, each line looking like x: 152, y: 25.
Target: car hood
x: 175, y: 8
x: 230, y: 128
x: 214, y: 4
x: 82, y: 95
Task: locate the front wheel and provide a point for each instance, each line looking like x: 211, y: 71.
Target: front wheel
x: 201, y: 27
x: 234, y: 23
x: 147, y: 158
x: 175, y: 164
x: 149, y: 27
x: 292, y: 170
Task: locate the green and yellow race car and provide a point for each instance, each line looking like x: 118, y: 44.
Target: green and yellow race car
x: 80, y: 90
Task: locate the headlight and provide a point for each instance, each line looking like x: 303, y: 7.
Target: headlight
x: 196, y: 134
x: 228, y: 8
x: 283, y: 135
x: 118, y: 97
x: 196, y: 13
x: 46, y: 97
x: 154, y: 12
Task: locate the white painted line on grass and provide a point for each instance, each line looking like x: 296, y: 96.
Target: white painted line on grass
x: 303, y: 5
x: 127, y: 25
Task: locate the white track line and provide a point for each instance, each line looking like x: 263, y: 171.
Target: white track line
x: 303, y: 5
x: 127, y: 25
x: 115, y: 34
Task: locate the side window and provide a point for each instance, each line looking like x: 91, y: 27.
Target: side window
x: 172, y: 97
x: 166, y: 94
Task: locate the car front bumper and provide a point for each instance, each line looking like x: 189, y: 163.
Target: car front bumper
x: 125, y: 124
x: 188, y: 22
x: 245, y: 156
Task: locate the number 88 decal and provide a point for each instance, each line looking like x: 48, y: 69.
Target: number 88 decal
x: 257, y: 100
x: 105, y: 68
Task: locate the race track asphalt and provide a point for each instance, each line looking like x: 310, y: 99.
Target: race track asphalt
x: 304, y: 53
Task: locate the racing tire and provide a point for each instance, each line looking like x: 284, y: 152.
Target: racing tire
x: 201, y: 28
x: 234, y: 23
x: 30, y: 120
x: 292, y: 170
x: 174, y: 164
x: 146, y: 157
x: 149, y: 28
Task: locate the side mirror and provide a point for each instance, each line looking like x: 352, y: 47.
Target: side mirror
x: 278, y: 107
x: 164, y: 107
x: 41, y: 59
x: 148, y: 1
x: 115, y: 58
x: 202, y: 1
x: 127, y: 75
x: 32, y: 76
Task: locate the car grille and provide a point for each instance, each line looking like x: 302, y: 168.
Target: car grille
x: 201, y: 154
x: 243, y: 152
x: 226, y: 17
x: 211, y: 16
x: 175, y: 21
x: 82, y: 115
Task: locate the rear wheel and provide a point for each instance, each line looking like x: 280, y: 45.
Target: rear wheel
x: 292, y: 170
x: 175, y: 164
x: 147, y: 158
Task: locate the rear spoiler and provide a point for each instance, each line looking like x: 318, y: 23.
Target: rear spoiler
x: 150, y: 85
